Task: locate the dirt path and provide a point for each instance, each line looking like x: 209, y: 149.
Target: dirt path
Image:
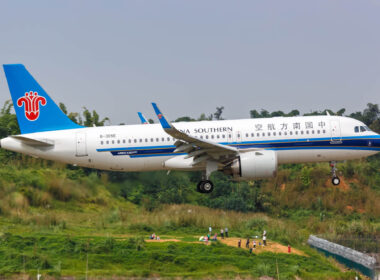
x: 272, y: 247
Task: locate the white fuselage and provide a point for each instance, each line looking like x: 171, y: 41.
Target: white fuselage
x: 149, y: 147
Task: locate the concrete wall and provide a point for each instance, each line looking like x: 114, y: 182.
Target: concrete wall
x: 348, y: 256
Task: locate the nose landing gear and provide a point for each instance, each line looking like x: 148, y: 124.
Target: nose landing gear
x: 335, y: 179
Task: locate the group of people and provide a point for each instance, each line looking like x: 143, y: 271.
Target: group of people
x: 211, y: 237
x: 153, y: 236
x: 247, y: 243
x: 223, y: 233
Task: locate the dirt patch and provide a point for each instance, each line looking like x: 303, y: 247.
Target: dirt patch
x: 162, y: 240
x: 272, y: 247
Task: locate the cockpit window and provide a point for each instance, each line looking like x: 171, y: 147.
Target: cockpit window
x: 356, y: 129
x: 362, y: 129
x: 367, y: 128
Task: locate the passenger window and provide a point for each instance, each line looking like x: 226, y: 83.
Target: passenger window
x: 212, y: 136
x: 113, y: 141
x: 129, y: 141
x: 318, y: 131
x: 247, y: 135
x: 108, y: 142
x: 206, y: 136
x: 296, y: 132
x: 168, y: 139
x: 124, y: 141
x: 268, y: 133
x: 140, y: 140
x: 291, y: 132
x: 263, y: 134
x: 252, y: 134
x: 101, y: 142
x: 279, y: 133
x: 307, y: 131
x: 118, y: 141
x: 274, y: 133
x: 135, y: 140
x: 217, y: 136
x: 258, y: 134
x: 301, y: 131
x: 324, y: 131
x: 312, y: 132
x: 201, y: 136
x: 285, y: 133
x: 163, y: 139
x: 223, y: 136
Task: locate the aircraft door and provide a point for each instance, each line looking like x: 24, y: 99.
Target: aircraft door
x: 81, y: 145
x: 335, y: 131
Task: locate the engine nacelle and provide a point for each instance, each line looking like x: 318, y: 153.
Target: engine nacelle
x: 253, y: 165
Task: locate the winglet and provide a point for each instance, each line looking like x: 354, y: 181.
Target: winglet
x: 164, y: 123
x: 142, y: 118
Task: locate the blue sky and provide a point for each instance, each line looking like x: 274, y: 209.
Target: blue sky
x: 192, y: 56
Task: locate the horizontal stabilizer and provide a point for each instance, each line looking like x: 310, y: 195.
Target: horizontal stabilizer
x: 34, y: 142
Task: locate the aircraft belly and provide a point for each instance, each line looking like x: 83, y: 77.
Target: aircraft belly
x: 320, y: 155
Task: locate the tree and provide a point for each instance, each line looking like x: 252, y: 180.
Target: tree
x: 218, y: 113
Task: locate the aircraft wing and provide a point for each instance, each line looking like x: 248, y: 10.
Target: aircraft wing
x: 200, y: 149
x: 142, y: 118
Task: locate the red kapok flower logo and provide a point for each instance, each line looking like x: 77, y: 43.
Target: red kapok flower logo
x: 31, y: 102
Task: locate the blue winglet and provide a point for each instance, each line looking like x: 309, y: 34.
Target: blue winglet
x: 142, y: 118
x: 165, y: 124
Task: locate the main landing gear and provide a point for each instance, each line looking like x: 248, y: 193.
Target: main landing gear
x: 205, y: 186
x: 335, y: 179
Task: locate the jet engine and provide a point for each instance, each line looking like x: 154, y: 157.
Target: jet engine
x: 253, y: 165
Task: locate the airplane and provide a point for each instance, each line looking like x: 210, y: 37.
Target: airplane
x: 245, y: 149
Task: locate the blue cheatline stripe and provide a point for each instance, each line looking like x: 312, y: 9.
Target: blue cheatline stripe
x: 134, y: 148
x: 326, y: 148
x: 158, y: 155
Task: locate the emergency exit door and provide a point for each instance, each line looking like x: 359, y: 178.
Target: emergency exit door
x: 81, y: 145
x: 335, y: 131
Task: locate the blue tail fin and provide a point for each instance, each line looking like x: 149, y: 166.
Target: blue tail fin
x: 35, y: 110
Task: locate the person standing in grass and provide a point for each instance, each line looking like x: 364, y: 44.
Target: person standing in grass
x: 226, y: 232
x: 239, y: 243
x: 247, y: 243
x: 254, y: 244
x: 222, y: 233
x: 265, y: 240
x: 210, y: 229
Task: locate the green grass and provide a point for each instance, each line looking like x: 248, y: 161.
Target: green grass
x: 62, y: 255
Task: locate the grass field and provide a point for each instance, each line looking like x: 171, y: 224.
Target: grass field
x: 59, y: 243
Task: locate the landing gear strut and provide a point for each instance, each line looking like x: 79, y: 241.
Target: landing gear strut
x: 335, y: 179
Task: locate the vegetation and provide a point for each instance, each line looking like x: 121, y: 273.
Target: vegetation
x: 53, y: 217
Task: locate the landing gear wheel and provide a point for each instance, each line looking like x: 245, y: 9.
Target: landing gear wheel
x: 199, y: 187
x: 335, y: 181
x: 205, y: 186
